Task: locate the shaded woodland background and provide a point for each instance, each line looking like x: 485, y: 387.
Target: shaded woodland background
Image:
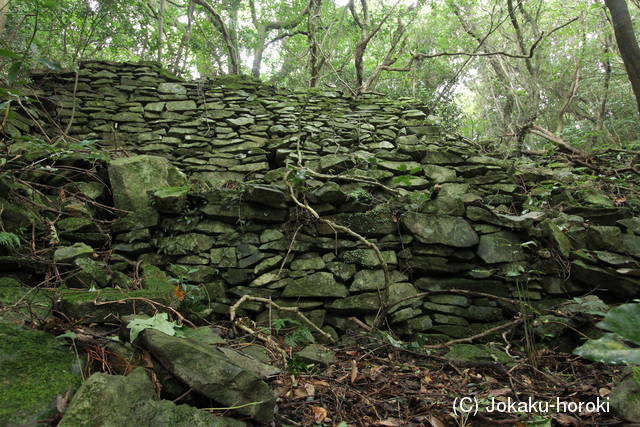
x: 495, y: 70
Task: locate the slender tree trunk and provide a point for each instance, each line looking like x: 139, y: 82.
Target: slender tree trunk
x: 627, y: 43
x: 4, y: 10
x: 315, y: 62
x: 258, y: 52
x: 160, y: 29
x: 232, y: 49
x: 182, y: 49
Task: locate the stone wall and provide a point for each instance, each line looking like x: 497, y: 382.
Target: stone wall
x: 218, y: 214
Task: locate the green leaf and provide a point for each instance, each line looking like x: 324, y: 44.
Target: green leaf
x: 69, y: 334
x: 14, y: 69
x: 49, y: 4
x: 9, y: 54
x: 610, y: 350
x: 52, y: 65
x: 624, y: 320
x: 159, y: 322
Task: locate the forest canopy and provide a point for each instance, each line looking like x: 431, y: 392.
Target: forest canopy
x: 493, y: 69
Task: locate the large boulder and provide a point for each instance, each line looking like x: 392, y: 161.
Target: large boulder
x: 133, y: 177
x: 115, y: 400
x: 447, y: 230
x: 35, y: 369
x: 210, y: 372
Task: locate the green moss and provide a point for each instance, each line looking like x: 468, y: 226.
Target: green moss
x: 79, y: 304
x: 34, y: 369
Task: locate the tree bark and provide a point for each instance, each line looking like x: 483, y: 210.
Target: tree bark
x: 4, y: 9
x: 315, y: 61
x: 627, y: 43
x: 160, y: 29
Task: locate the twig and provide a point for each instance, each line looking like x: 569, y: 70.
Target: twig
x: 234, y: 307
x: 475, y: 337
x: 267, y: 339
x: 231, y: 408
x: 384, y: 294
x: 151, y: 302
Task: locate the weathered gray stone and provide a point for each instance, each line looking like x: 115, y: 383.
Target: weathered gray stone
x: 69, y: 253
x: 368, y: 301
x: 181, y: 105
x: 447, y: 230
x: 172, y: 88
x: 132, y: 177
x: 317, y: 353
x: 315, y: 285
x: 210, y: 372
x: 117, y: 400
x: 498, y: 247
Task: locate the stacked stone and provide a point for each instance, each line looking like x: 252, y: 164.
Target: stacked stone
x: 458, y: 219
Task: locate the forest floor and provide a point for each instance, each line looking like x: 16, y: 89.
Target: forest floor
x: 376, y: 383
x: 390, y: 387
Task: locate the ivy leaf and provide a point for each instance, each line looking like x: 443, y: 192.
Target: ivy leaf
x: 624, y: 321
x: 159, y: 322
x: 610, y: 350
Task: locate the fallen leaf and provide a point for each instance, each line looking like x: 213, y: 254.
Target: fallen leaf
x: 500, y: 392
x: 310, y: 389
x: 320, y: 383
x: 565, y: 419
x: 63, y: 400
x: 435, y: 422
x: 300, y: 393
x: 354, y: 371
x: 179, y: 293
x: 390, y: 422
x: 319, y: 414
x: 603, y: 392
x: 62, y: 194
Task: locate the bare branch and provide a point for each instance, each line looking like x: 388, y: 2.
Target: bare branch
x: 501, y: 53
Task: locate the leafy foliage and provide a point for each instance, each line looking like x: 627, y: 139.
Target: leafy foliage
x: 159, y: 322
x: 612, y: 348
x: 485, y: 70
x: 297, y: 333
x: 9, y: 240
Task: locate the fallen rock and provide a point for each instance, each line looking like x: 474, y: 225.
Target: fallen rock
x: 113, y: 400
x: 211, y: 373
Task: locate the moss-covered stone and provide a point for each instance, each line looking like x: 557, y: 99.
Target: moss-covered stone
x: 447, y: 230
x: 132, y: 177
x: 69, y: 253
x: 499, y: 247
x: 320, y: 284
x: 118, y: 400
x: 35, y: 369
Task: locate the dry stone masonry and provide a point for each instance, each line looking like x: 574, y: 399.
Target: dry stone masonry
x: 201, y: 167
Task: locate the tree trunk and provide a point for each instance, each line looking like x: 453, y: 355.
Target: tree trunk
x: 627, y: 43
x: 315, y: 62
x: 160, y: 29
x: 4, y: 9
x: 232, y: 49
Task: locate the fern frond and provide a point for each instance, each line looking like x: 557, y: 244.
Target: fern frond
x: 9, y: 240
